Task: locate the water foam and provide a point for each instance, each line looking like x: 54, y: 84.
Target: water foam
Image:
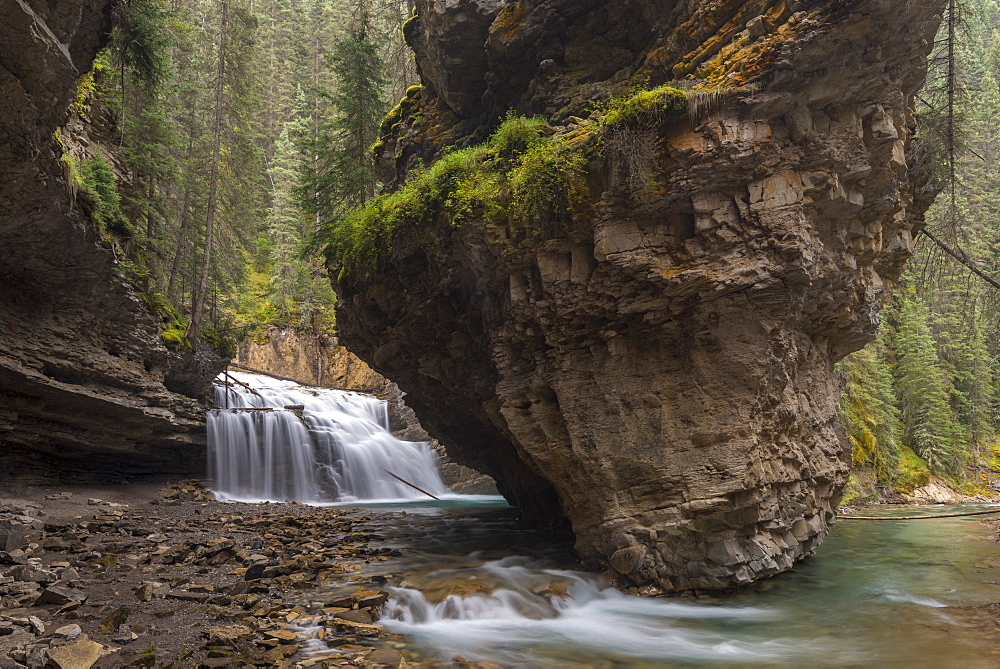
x: 337, y: 449
x: 529, y: 614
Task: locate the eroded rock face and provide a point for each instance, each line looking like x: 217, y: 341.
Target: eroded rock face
x: 663, y: 376
x: 84, y: 375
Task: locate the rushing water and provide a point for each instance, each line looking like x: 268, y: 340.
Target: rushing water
x: 336, y: 449
x: 475, y: 584
x: 877, y: 594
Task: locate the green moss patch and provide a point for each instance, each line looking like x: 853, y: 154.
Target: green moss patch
x: 913, y: 471
x: 646, y: 107
x: 397, y: 116
x: 521, y: 175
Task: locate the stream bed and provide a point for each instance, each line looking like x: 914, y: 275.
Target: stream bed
x: 476, y: 585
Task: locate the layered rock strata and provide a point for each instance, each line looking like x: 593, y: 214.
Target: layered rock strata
x: 85, y: 378
x: 661, y: 377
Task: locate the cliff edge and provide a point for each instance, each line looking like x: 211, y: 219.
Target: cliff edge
x: 647, y: 355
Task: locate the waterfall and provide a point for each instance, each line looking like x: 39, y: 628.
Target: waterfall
x: 336, y: 448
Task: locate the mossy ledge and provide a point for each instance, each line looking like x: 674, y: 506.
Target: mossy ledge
x: 523, y: 175
x: 646, y: 107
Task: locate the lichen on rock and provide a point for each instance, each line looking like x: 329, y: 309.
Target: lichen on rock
x: 658, y: 374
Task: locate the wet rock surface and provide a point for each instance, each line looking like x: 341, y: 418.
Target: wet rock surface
x: 169, y: 577
x: 662, y: 376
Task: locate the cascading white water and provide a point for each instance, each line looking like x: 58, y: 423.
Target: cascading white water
x: 340, y: 450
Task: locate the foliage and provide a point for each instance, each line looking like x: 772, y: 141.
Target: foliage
x: 138, y: 42
x: 98, y: 181
x: 520, y: 175
x: 342, y: 176
x: 263, y: 77
x: 868, y: 411
x: 923, y: 390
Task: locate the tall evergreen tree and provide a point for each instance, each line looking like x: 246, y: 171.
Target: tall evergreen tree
x: 923, y: 389
x: 342, y: 177
x: 868, y: 411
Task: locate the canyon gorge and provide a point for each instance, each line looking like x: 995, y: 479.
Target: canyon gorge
x: 655, y: 376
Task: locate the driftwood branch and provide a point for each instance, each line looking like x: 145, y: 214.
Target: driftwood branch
x: 402, y: 480
x: 938, y: 515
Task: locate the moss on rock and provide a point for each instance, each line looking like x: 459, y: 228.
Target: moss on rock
x: 656, y: 105
x: 522, y: 175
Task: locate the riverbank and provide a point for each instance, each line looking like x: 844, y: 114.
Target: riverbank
x: 163, y: 575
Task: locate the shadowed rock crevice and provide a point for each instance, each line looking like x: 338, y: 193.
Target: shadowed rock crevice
x: 662, y: 374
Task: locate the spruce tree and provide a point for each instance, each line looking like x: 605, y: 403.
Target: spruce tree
x: 868, y: 411
x: 341, y: 177
x: 923, y: 390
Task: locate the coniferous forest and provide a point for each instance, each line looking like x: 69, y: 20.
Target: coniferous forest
x: 924, y: 398
x: 226, y: 133
x: 229, y: 136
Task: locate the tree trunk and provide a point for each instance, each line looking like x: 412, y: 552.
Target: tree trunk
x: 213, y: 184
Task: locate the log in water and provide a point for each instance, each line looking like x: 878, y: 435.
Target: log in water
x: 337, y: 448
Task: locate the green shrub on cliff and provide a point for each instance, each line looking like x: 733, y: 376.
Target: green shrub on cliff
x: 98, y: 180
x: 521, y: 175
x: 646, y: 107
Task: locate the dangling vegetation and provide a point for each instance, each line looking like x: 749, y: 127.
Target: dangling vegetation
x: 520, y: 175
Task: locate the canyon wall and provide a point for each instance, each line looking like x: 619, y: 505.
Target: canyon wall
x: 660, y: 377
x: 86, y: 382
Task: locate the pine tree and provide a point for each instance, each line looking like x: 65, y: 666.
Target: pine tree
x: 285, y: 223
x: 342, y: 177
x: 868, y: 411
x: 923, y: 390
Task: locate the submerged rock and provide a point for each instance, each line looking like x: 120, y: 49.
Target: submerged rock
x: 657, y: 368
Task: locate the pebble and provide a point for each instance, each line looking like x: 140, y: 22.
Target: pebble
x: 275, y: 552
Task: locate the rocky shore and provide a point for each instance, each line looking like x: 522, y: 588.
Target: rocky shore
x: 147, y: 575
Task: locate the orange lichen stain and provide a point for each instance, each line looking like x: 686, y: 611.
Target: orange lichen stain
x: 711, y: 43
x: 510, y: 20
x: 749, y: 60
x: 689, y: 140
x: 671, y: 273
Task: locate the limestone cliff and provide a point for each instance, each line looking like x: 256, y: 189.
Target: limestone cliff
x: 661, y: 376
x: 85, y: 378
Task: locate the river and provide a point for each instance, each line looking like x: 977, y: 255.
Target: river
x: 474, y: 583
x: 887, y: 594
